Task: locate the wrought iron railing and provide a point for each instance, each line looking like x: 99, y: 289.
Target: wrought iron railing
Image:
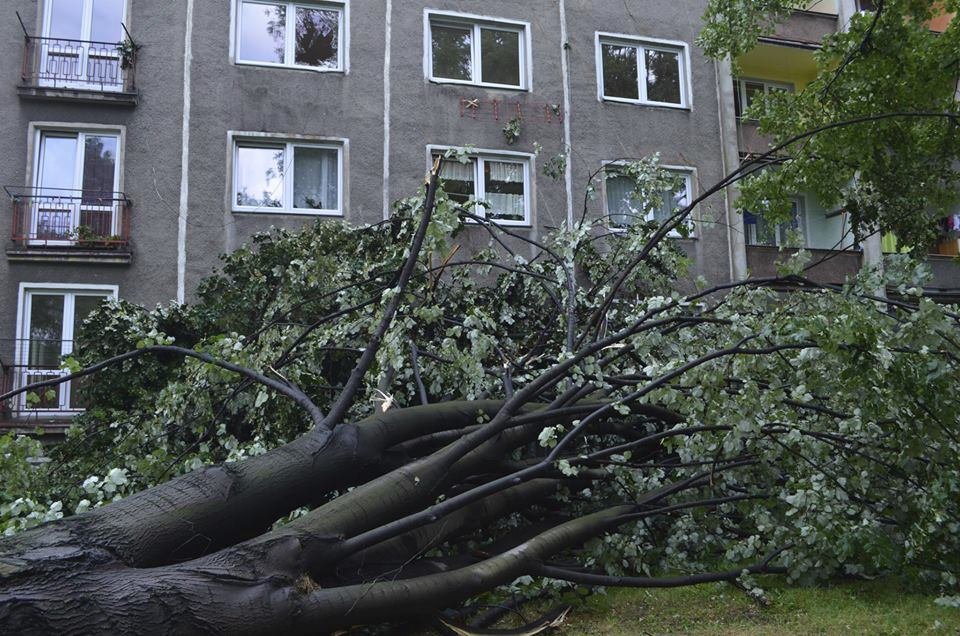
x: 5, y: 386
x: 35, y: 360
x: 58, y: 217
x: 79, y: 64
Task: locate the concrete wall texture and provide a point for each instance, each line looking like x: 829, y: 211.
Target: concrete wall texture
x: 195, y: 97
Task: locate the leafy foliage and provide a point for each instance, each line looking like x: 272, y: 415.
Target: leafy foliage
x: 896, y: 170
x: 829, y: 425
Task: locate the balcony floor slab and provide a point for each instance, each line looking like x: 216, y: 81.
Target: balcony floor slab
x: 76, y: 95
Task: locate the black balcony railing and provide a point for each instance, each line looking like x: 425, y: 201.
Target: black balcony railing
x: 58, y: 217
x: 5, y: 386
x: 62, y: 63
x: 35, y: 360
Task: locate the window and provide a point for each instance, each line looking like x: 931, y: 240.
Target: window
x: 299, y: 178
x: 623, y: 207
x: 642, y: 71
x: 500, y: 181
x: 295, y: 34
x: 763, y: 232
x: 49, y: 320
x: 79, y: 44
x: 471, y: 50
x: 75, y: 179
x: 746, y: 90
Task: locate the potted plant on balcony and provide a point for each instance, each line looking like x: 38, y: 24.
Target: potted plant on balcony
x: 87, y: 237
x: 127, y: 49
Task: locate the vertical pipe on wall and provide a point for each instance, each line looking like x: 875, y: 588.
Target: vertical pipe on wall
x: 386, y: 109
x: 730, y: 159
x: 184, y: 160
x: 567, y: 150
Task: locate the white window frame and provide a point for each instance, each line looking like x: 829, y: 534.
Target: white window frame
x: 689, y: 175
x: 642, y: 44
x: 85, y: 32
x: 343, y: 36
x: 267, y: 140
x: 477, y: 22
x: 21, y: 357
x: 741, y: 93
x: 482, y: 155
x: 37, y: 133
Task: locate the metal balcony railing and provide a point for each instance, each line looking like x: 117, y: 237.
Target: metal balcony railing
x: 58, y: 217
x: 5, y: 385
x: 35, y: 360
x: 61, y: 63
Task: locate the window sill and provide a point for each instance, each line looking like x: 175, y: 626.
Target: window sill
x: 281, y: 212
x: 634, y: 102
x: 290, y: 67
x: 489, y: 87
x: 619, y: 231
x: 519, y: 224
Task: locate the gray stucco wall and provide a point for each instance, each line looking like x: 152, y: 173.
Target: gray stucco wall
x: 151, y: 157
x: 350, y: 105
x: 689, y: 137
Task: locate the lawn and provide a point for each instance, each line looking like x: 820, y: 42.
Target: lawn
x: 872, y: 607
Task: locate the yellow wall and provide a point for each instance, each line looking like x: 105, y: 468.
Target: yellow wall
x: 780, y: 64
x: 821, y: 6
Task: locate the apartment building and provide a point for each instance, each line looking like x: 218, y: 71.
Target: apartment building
x: 140, y: 139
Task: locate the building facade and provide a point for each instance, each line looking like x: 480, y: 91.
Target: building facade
x: 141, y: 139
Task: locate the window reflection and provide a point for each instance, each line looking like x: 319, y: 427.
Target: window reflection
x: 260, y: 177
x: 452, y: 52
x: 663, y: 77
x: 263, y: 32
x: 620, y: 71
x: 318, y: 32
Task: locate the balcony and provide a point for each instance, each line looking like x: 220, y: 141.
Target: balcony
x: 60, y: 69
x: 24, y: 362
x: 70, y: 226
x: 832, y: 267
x: 806, y: 27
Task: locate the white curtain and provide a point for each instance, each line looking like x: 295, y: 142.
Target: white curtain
x: 505, y: 172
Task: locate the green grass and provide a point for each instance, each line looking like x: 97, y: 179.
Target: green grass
x: 871, y: 607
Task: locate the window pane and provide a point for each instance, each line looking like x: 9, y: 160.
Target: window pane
x: 663, y: 77
x: 759, y: 231
x: 105, y: 21
x: 671, y: 202
x: 750, y: 92
x: 458, y: 180
x: 621, y: 205
x: 451, y: 52
x: 58, y: 159
x: 46, y: 331
x: 500, y: 57
x: 620, y: 71
x: 504, y: 190
x: 260, y: 177
x: 66, y: 19
x: 315, y: 179
x: 318, y: 32
x: 99, y: 169
x: 262, y: 32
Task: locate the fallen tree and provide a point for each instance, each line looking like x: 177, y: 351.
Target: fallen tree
x: 355, y: 427
x: 570, y: 420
